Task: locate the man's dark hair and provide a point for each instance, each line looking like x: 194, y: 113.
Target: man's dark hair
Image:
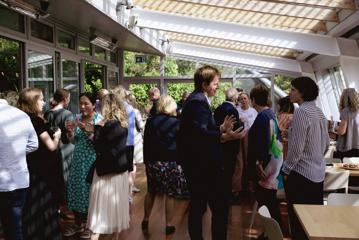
x: 205, y: 74
x: 260, y: 94
x: 307, y: 87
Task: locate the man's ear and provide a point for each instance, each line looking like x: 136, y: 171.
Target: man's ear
x: 204, y: 84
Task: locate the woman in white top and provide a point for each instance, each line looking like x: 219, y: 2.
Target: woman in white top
x: 348, y: 128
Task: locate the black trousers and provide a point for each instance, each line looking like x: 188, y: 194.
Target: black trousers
x: 211, y: 192
x: 268, y: 197
x: 300, y: 190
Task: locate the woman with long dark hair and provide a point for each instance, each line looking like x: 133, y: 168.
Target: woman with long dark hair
x: 78, y: 188
x: 56, y: 118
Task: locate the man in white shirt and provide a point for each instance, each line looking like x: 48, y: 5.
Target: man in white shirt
x: 18, y: 137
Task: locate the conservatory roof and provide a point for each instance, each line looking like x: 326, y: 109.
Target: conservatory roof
x: 265, y: 30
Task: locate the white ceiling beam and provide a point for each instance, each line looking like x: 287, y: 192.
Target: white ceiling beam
x: 250, y: 60
x: 315, y: 43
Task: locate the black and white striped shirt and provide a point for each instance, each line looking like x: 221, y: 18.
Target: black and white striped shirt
x: 308, y: 140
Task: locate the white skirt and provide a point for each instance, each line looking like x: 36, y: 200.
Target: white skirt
x: 109, y: 204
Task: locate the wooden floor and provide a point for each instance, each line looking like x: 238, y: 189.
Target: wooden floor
x: 239, y: 219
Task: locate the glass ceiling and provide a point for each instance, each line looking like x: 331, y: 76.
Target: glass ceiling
x: 302, y: 16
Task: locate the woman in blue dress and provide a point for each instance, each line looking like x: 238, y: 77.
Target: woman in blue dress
x: 78, y: 189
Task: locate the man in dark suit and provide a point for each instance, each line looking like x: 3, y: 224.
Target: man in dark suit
x: 230, y: 148
x: 199, y: 146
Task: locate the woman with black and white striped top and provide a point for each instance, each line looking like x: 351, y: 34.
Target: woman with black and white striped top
x: 308, y: 140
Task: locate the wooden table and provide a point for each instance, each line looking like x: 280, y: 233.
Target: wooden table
x: 329, y: 222
x: 336, y: 168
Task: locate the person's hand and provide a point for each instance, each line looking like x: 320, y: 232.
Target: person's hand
x: 81, y: 125
x: 260, y: 172
x: 228, y: 123
x: 284, y: 134
x: 101, y: 123
x: 57, y: 134
x: 239, y: 133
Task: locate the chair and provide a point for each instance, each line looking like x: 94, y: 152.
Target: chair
x: 351, y: 160
x: 332, y: 160
x: 271, y: 227
x: 338, y: 199
x: 336, y: 180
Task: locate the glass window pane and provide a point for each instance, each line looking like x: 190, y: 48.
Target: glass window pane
x: 41, y: 31
x: 84, y: 46
x: 11, y: 20
x: 70, y: 81
x: 100, y: 53
x: 66, y: 40
x: 112, y: 79
x: 40, y: 72
x: 10, y: 65
x: 111, y: 57
x: 95, y: 75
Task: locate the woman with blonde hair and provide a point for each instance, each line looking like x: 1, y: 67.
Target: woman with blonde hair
x: 109, y: 205
x: 348, y: 128
x: 164, y: 175
x: 40, y: 218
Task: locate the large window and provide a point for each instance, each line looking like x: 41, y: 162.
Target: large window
x: 100, y: 53
x: 66, y: 40
x: 41, y: 72
x: 84, y: 46
x: 41, y: 31
x: 112, y: 79
x: 12, y: 20
x: 10, y: 65
x: 95, y: 75
x: 70, y: 81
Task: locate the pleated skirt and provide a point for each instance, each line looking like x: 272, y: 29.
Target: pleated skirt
x: 109, y: 204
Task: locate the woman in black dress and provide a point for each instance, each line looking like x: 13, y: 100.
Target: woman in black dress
x: 40, y: 218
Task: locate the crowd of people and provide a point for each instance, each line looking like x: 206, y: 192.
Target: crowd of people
x: 86, y: 162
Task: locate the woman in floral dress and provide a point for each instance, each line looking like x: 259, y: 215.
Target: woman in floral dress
x: 78, y: 189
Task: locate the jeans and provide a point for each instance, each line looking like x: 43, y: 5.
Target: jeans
x: 11, y: 204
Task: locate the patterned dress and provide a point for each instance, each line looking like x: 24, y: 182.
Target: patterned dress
x: 78, y: 189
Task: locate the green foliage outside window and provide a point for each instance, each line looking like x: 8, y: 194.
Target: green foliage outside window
x: 283, y: 82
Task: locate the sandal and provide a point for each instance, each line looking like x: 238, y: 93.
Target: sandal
x: 72, y: 230
x: 86, y: 234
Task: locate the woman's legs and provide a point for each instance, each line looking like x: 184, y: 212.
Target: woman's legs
x: 149, y: 201
x: 169, y: 207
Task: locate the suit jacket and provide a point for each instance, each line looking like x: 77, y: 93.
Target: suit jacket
x: 230, y: 148
x: 160, y: 139
x: 199, y: 140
